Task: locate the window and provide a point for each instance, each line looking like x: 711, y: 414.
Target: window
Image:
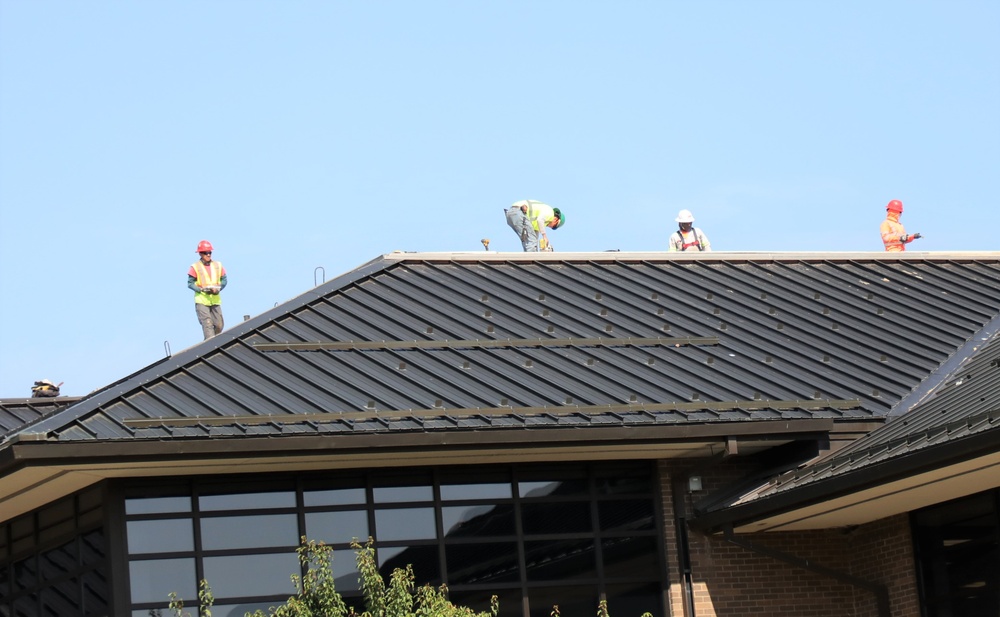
x: 958, y: 556
x: 53, y: 561
x: 568, y: 533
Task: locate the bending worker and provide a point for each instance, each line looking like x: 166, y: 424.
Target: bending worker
x: 529, y: 219
x: 894, y: 235
x: 206, y: 278
x: 687, y: 237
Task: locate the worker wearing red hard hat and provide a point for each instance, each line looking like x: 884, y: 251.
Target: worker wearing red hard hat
x: 894, y: 235
x: 206, y: 278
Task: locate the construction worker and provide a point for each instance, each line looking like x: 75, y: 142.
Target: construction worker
x: 894, y: 235
x: 206, y: 278
x: 529, y: 219
x: 45, y: 388
x: 687, y: 237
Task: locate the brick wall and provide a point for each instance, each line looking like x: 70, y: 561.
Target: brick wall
x: 729, y: 580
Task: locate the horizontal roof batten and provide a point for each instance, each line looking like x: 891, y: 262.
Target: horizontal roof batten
x: 493, y: 411
x: 489, y: 343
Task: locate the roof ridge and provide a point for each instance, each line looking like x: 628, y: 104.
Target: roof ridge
x: 947, y: 369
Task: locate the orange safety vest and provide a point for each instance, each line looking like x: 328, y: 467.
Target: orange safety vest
x: 892, y: 234
x: 210, y: 276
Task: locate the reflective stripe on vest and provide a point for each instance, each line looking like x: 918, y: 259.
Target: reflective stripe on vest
x: 210, y: 276
x: 536, y: 208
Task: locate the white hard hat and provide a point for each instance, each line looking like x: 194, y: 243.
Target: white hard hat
x: 684, y: 216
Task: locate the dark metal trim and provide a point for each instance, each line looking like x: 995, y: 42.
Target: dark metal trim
x: 68, y: 453
x: 337, y: 416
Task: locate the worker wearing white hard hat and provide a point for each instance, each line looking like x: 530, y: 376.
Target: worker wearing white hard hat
x: 688, y: 237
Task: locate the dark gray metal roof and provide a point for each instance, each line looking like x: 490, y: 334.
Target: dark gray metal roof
x: 487, y: 341
x: 15, y: 413
x: 966, y: 405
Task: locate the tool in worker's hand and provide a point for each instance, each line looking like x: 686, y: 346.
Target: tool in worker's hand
x: 486, y: 243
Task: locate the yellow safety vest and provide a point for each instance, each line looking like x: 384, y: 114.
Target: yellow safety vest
x: 207, y: 277
x: 535, y: 208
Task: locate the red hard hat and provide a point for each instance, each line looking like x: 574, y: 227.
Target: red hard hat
x: 895, y: 206
x: 204, y: 247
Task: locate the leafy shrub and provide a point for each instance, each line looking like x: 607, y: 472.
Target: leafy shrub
x: 316, y: 595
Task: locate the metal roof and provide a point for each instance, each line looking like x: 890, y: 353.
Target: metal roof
x: 966, y: 405
x: 488, y: 341
x: 15, y: 413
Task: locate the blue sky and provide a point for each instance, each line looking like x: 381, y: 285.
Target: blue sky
x: 317, y: 133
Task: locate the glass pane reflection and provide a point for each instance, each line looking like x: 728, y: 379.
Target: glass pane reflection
x: 58, y: 561
x: 267, y: 530
x: 247, y: 501
x: 405, y: 524
x: 559, y: 517
x: 455, y: 492
x: 397, y: 494
x: 567, y: 487
x: 631, y: 514
x: 345, y: 571
x: 560, y: 560
x: 337, y: 527
x: 164, y: 536
x: 152, y: 581
x: 494, y: 562
x: 334, y: 497
x: 478, y: 521
x: 630, y: 558
x: 157, y: 505
x: 251, y: 575
x: 95, y: 593
x: 425, y: 561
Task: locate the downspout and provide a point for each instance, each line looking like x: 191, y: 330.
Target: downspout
x: 880, y: 591
x: 677, y: 488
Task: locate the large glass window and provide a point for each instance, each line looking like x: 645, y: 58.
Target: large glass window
x: 53, y: 561
x: 535, y: 535
x: 958, y: 556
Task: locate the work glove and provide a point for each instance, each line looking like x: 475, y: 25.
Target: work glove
x: 915, y: 236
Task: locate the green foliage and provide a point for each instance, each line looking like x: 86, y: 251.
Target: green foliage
x: 316, y: 595
x: 205, y: 602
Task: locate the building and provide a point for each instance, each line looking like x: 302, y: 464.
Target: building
x: 712, y: 434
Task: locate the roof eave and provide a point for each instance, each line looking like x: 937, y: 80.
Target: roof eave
x: 871, y: 476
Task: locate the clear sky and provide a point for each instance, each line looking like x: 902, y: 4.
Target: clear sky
x: 297, y: 134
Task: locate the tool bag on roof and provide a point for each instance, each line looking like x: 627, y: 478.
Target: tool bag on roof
x: 44, y: 389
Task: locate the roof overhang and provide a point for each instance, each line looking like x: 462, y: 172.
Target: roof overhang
x: 39, y: 471
x: 902, y: 484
